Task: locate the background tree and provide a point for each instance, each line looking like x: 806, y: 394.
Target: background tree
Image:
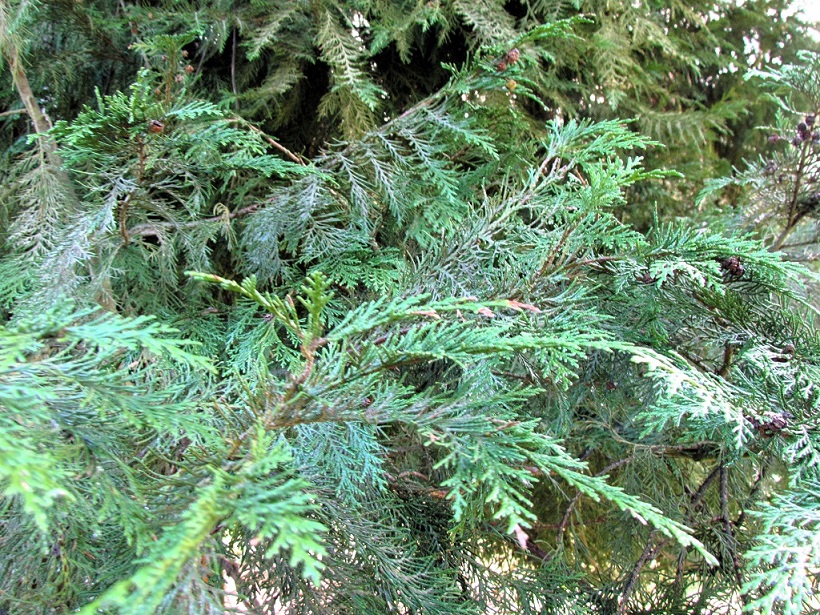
x: 358, y: 307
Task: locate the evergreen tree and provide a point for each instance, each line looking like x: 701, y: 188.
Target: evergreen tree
x: 362, y: 307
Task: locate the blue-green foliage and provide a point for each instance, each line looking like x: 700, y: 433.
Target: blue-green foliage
x: 420, y: 364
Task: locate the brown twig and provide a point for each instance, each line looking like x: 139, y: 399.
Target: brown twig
x: 525, y: 378
x: 309, y: 353
x: 233, y: 68
x: 799, y: 244
x: 728, y: 355
x: 755, y: 487
x: 794, y: 216
x: 648, y: 554
x: 727, y: 522
x: 272, y: 142
x: 418, y: 475
x: 41, y: 121
x: 122, y: 215
x: 698, y: 495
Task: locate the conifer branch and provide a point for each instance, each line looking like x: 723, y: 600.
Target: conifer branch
x: 463, y: 285
x: 154, y: 229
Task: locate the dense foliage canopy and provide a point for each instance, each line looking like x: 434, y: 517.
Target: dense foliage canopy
x: 406, y: 306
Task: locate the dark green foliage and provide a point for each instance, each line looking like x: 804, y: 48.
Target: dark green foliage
x: 374, y: 307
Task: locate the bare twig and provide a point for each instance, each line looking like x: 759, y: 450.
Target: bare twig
x: 799, y: 244
x: 727, y: 522
x: 233, y: 66
x: 39, y: 119
x: 13, y: 112
x: 698, y: 495
x: 122, y: 214
x: 648, y: 554
x: 794, y: 216
x: 275, y: 144
x: 810, y: 258
x: 728, y: 355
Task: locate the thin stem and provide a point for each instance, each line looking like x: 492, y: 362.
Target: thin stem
x: 13, y: 112
x: 801, y: 244
x: 727, y: 522
x: 153, y: 229
x: 233, y: 71
x: 728, y: 355
x: 794, y: 216
x: 295, y: 157
x: 648, y: 554
x: 698, y: 495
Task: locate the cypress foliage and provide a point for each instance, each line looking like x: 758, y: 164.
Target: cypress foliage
x: 376, y: 307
